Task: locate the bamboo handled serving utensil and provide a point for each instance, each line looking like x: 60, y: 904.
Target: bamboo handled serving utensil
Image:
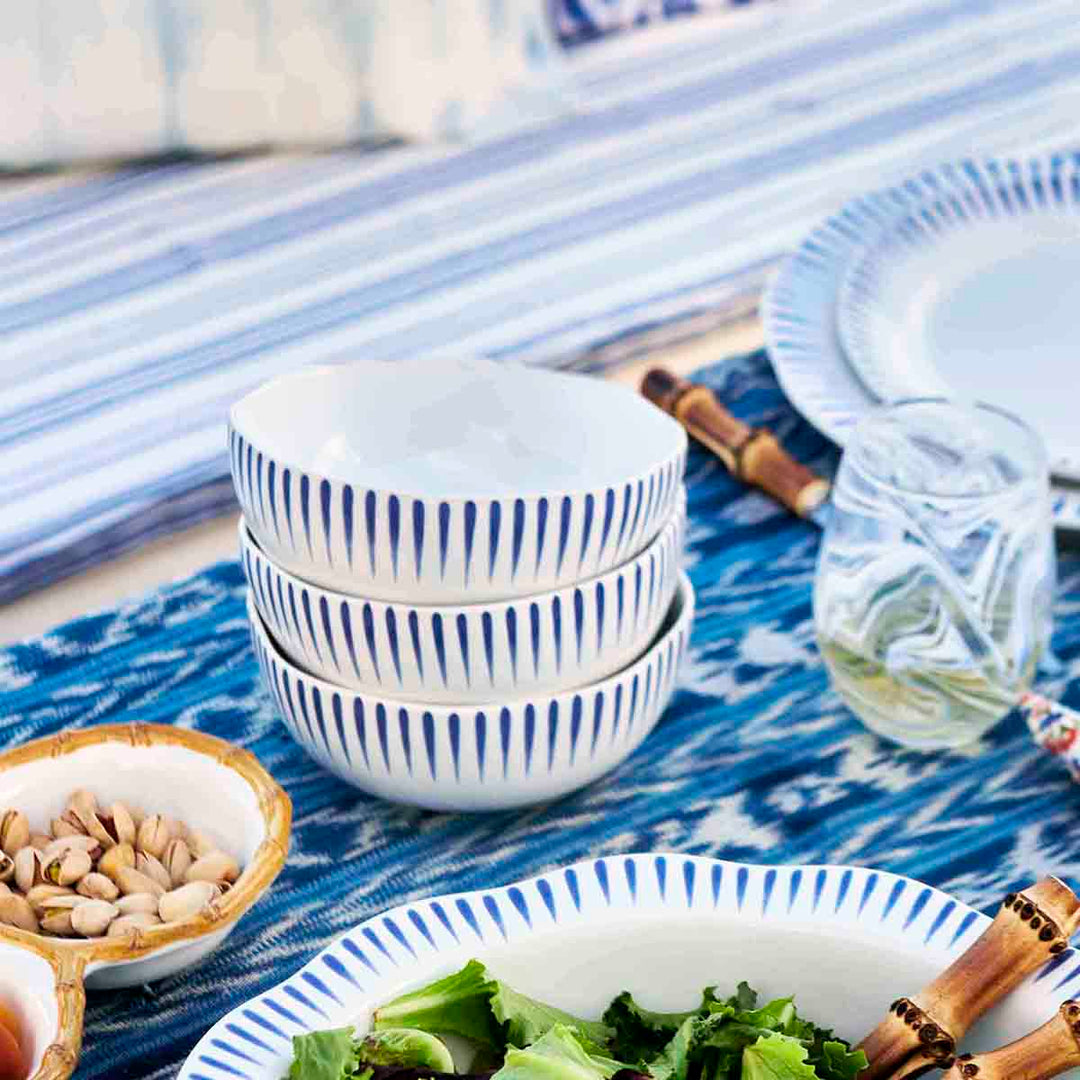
x: 923, y: 1031
x: 755, y: 456
x: 1044, y: 1053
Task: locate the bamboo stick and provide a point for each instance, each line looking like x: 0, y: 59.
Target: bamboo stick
x: 922, y: 1032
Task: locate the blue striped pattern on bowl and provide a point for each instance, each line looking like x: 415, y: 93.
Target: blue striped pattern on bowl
x: 490, y: 757
x: 848, y: 918
x: 475, y: 652
x: 396, y: 547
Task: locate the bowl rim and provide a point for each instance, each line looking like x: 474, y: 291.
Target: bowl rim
x: 675, y: 523
x: 684, y: 594
x: 275, y: 808
x: 235, y: 425
x: 663, y: 883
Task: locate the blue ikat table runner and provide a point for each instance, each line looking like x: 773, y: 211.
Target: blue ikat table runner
x: 755, y: 760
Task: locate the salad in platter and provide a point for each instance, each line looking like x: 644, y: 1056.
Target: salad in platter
x: 514, y: 1037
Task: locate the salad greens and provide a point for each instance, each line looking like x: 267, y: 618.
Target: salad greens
x: 731, y: 1038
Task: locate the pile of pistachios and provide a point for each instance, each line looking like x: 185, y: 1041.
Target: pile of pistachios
x: 107, y: 871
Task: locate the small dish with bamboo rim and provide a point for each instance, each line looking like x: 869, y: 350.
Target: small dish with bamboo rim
x: 43, y: 979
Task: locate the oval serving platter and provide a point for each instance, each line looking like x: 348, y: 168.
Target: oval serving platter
x: 846, y: 941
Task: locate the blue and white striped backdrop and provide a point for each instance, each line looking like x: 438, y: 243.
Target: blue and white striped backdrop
x: 756, y: 760
x: 135, y: 307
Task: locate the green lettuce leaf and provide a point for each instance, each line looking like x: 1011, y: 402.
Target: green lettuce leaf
x: 459, y: 1004
x: 557, y: 1055
x: 835, y: 1060
x: 405, y: 1047
x: 525, y: 1020
x: 776, y: 1057
x: 323, y: 1055
x: 673, y: 1062
x: 637, y: 1033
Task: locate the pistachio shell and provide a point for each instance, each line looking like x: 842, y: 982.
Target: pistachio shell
x: 153, y: 837
x: 188, y: 900
x: 28, y: 869
x: 16, y: 911
x: 138, y: 902
x: 98, y: 887
x: 5, y: 890
x: 133, y: 924
x: 201, y: 843
x: 123, y: 824
x: 131, y: 881
x: 115, y: 859
x: 82, y: 803
x: 93, y: 917
x: 177, y: 859
x: 14, y: 832
x: 68, y: 868
x: 68, y: 824
x: 178, y: 830
x: 71, y: 843
x: 62, y: 903
x: 40, y: 841
x: 152, y: 868
x: 217, y: 866
x: 7, y: 867
x: 39, y: 894
x: 57, y: 923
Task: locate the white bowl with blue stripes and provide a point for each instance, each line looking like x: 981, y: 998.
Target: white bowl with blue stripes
x: 470, y: 653
x: 506, y: 753
x: 846, y: 941
x: 450, y: 481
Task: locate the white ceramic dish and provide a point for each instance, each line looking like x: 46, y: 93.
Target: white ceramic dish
x: 153, y: 766
x: 800, y: 307
x: 846, y: 941
x: 451, y: 482
x: 471, y: 653
x: 478, y: 757
x: 974, y: 294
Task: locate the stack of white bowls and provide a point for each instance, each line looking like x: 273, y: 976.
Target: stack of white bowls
x: 465, y: 578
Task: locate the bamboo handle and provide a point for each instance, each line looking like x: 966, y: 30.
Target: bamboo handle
x: 753, y: 455
x: 1048, y: 1051
x: 923, y: 1031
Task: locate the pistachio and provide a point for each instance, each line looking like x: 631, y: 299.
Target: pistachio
x: 177, y: 829
x: 39, y: 894
x: 98, y: 887
x: 82, y: 804
x: 177, y: 859
x: 136, y: 903
x: 188, y: 900
x: 133, y: 924
x: 131, y: 881
x: 58, y: 923
x: 123, y: 823
x: 7, y: 867
x: 68, y: 824
x: 116, y: 859
x: 153, y: 837
x: 14, y: 832
x: 16, y: 911
x: 40, y: 841
x: 153, y: 869
x: 28, y: 869
x: 137, y: 815
x: 68, y: 868
x: 71, y: 843
x: 93, y: 917
x: 217, y: 866
x: 201, y: 843
x: 62, y: 903
x: 5, y: 890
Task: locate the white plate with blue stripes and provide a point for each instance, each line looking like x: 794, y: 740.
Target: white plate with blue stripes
x: 845, y: 941
x: 974, y: 295
x: 801, y: 303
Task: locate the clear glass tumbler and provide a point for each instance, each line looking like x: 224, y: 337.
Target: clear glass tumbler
x: 932, y: 601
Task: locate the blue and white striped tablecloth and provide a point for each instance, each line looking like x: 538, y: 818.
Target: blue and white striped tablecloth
x: 134, y: 307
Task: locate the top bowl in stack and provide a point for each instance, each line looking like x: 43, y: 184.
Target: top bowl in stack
x: 433, y: 495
